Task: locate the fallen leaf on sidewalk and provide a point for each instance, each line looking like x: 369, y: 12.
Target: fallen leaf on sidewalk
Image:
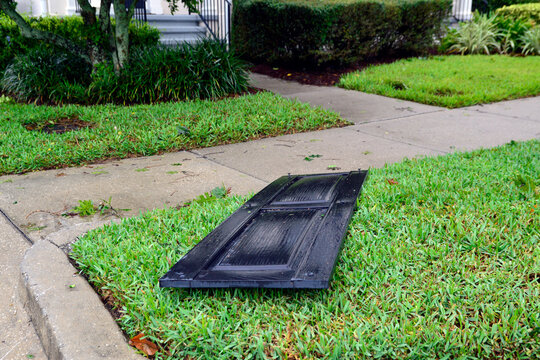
x: 146, y: 346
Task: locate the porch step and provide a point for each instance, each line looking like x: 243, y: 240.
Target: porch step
x: 173, y: 20
x: 177, y: 29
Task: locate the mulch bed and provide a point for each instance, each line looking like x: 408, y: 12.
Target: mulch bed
x: 328, y: 76
x: 59, y: 125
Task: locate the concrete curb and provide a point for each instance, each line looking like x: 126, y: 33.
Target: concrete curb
x: 68, y: 315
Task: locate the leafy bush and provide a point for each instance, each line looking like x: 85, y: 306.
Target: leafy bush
x: 40, y: 75
x: 204, y: 70
x: 511, y: 32
x: 341, y: 32
x: 531, y: 41
x: 525, y: 12
x: 488, y: 34
x: 487, y: 6
x: 448, y: 40
x: 12, y: 43
x: 478, y: 36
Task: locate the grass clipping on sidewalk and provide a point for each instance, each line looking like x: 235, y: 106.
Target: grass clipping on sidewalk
x: 442, y: 260
x: 451, y: 81
x: 43, y: 137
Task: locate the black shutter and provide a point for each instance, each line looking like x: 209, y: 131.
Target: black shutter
x: 287, y: 236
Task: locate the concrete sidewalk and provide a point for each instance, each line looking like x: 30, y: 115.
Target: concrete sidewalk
x: 385, y: 130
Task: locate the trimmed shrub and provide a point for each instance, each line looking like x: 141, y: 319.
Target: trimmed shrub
x: 200, y: 71
x: 525, y: 12
x: 290, y: 32
x: 43, y: 73
x: 12, y: 43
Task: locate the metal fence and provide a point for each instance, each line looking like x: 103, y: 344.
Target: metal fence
x: 216, y: 15
x: 139, y: 15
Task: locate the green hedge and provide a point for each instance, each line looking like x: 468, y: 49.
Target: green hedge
x: 12, y: 43
x: 525, y: 12
x: 486, y: 6
x: 334, y: 32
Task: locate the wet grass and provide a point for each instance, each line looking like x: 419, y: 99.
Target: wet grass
x: 441, y: 260
x: 451, y: 81
x: 43, y: 137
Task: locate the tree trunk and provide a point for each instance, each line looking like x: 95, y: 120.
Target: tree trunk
x: 105, y: 27
x: 121, y: 34
x: 88, y: 14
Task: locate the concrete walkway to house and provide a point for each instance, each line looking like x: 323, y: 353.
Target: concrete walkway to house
x: 64, y: 309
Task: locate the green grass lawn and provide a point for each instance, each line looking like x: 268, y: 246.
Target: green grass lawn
x: 122, y: 131
x: 442, y: 260
x: 451, y: 81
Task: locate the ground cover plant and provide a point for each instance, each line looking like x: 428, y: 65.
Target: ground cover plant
x: 200, y: 71
x: 451, y: 81
x: 442, y: 260
x: 43, y: 74
x: 40, y: 72
x: 184, y: 72
x: 41, y: 137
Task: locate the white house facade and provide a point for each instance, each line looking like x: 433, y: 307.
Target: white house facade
x: 68, y: 7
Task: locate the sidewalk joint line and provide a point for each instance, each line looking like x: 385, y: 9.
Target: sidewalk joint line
x: 397, y: 118
x: 194, y: 152
x: 18, y: 229
x: 502, y: 115
x: 404, y: 142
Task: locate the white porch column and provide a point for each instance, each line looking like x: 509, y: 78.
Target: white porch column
x: 154, y: 7
x: 39, y: 7
x: 462, y: 10
x: 70, y: 9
